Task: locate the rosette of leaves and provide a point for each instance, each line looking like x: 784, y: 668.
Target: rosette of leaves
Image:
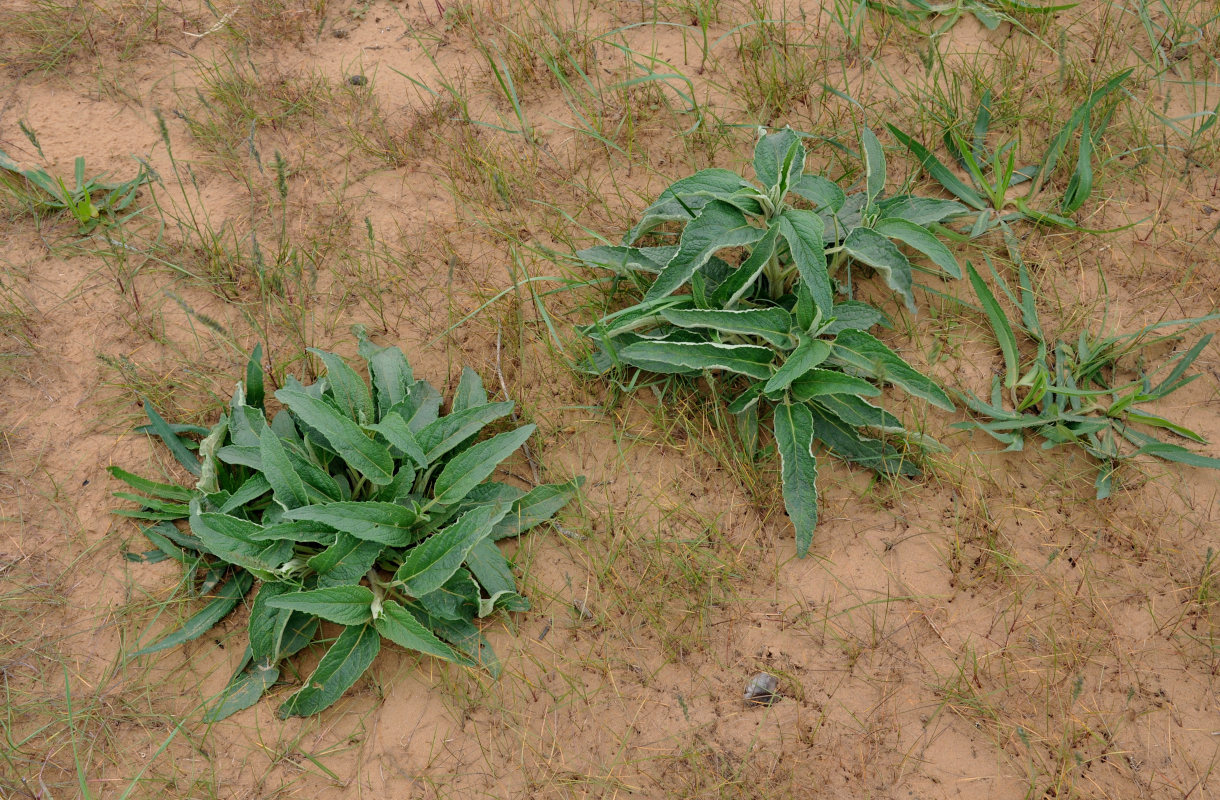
x: 740, y: 282
x: 357, y: 505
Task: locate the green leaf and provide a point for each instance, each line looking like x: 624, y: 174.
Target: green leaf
x: 940, y: 172
x: 348, y: 388
x: 175, y: 510
x: 339, y: 669
x: 453, y: 429
x: 1060, y: 142
x: 225, y: 600
x: 398, y: 433
x: 999, y: 325
x: 718, y: 226
x: 346, y: 605
x: 437, y: 558
x: 735, y: 286
x: 402, y: 628
x: 686, y: 197
x: 167, y: 491
x: 490, y: 568
x: 421, y: 406
x: 803, y: 231
x: 807, y: 355
x: 230, y: 538
x: 818, y: 382
x: 166, y: 547
x: 320, y: 486
x: 855, y: 315
x: 470, y: 392
x: 1080, y: 185
x: 799, y: 469
x: 772, y: 324
x: 387, y: 523
x: 297, y: 634
x: 1157, y: 421
x: 367, y: 457
x: 254, y: 378
x: 470, y: 467
x: 286, y: 485
x: 874, y: 164
x: 745, y: 359
x: 779, y: 160
x: 251, y: 489
x: 863, y: 352
x: 245, y: 688
x: 920, y: 210
x: 266, y: 624
x: 346, y: 561
x: 857, y: 412
x: 645, y: 315
x: 457, y: 598
x: 183, y: 455
x: 463, y: 635
x: 921, y: 239
x: 389, y: 370
x: 535, y: 507
x: 169, y: 531
x: 625, y: 260
x: 881, y: 254
x: 846, y: 442
x: 822, y: 192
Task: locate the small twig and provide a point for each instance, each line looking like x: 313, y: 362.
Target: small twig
x: 525, y: 448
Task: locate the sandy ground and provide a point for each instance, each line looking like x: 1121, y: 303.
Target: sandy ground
x: 989, y: 631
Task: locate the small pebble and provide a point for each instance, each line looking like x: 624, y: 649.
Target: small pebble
x: 762, y: 690
x: 358, y: 80
x: 1209, y: 210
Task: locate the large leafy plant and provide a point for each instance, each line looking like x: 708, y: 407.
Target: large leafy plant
x: 747, y: 295
x: 364, y: 507
x: 1070, y: 393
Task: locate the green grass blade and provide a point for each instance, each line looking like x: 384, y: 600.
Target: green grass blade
x: 1005, y: 337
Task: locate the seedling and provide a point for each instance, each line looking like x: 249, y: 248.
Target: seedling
x: 92, y: 202
x: 361, y: 507
x: 769, y: 328
x: 1069, y: 393
x: 993, y: 173
x: 989, y: 13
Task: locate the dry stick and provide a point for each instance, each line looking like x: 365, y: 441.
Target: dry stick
x: 223, y: 21
x: 525, y: 448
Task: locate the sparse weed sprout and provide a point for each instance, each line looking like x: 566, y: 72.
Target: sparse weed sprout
x: 91, y: 202
x: 1069, y: 392
x: 364, y: 508
x: 796, y: 359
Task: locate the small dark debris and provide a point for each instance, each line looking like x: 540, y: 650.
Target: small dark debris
x: 1208, y: 210
x: 762, y: 690
x: 339, y: 33
x: 358, y: 80
x: 85, y: 482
